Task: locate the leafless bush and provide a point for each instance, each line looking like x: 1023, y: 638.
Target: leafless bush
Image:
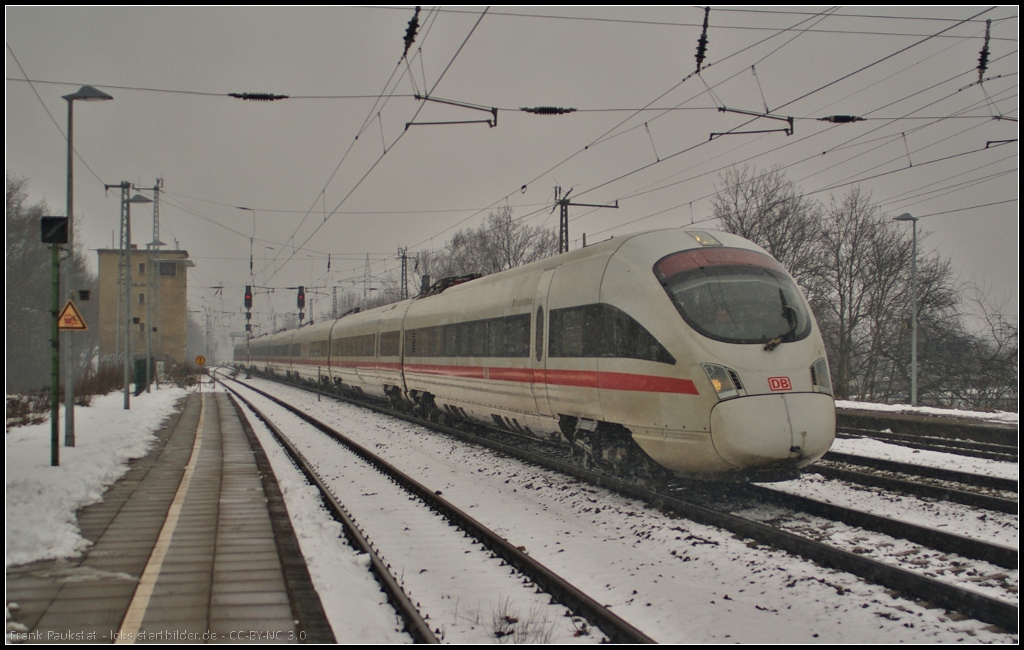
x: 27, y: 409
x: 108, y: 377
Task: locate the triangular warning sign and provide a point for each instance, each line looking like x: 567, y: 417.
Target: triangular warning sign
x: 70, y: 319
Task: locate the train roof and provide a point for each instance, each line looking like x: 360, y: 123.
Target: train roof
x: 681, y: 238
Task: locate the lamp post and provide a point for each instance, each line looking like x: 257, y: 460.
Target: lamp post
x: 906, y: 216
x: 85, y: 93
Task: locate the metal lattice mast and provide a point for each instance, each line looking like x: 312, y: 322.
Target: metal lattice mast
x: 563, y: 219
x: 366, y: 280
x: 126, y: 276
x: 404, y: 253
x: 156, y: 213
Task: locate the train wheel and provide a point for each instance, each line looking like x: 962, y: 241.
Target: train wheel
x: 610, y: 448
x: 583, y: 450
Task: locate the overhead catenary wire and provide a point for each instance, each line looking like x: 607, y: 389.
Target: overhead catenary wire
x: 535, y: 213
x: 322, y: 208
x: 606, y: 134
x: 788, y: 103
x: 399, y: 137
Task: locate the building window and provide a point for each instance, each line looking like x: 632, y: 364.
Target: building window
x: 142, y: 268
x: 142, y: 327
x: 168, y: 269
x: 142, y: 299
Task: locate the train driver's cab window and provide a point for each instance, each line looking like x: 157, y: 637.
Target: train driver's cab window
x: 735, y: 295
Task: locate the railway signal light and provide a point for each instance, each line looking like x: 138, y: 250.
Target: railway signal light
x: 248, y: 296
x: 302, y: 298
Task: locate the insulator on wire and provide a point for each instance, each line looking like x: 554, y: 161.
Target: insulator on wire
x: 841, y: 119
x: 548, y: 110
x: 258, y: 97
x: 702, y: 42
x: 983, y: 56
x: 411, y: 30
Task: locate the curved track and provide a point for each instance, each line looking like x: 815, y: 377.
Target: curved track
x: 691, y: 506
x: 560, y: 590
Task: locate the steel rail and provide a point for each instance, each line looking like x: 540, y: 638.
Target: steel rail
x: 975, y: 549
x: 417, y: 628
x: 985, y: 450
x: 963, y: 497
x: 979, y: 480
x: 954, y: 598
x: 617, y: 629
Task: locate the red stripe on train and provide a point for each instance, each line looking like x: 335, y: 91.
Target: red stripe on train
x: 579, y: 378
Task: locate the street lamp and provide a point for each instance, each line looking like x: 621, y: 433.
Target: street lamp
x: 88, y: 94
x: 906, y: 216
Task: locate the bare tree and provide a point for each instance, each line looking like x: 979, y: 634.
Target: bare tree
x: 854, y: 264
x: 845, y: 243
x: 499, y: 244
x: 767, y: 208
x: 984, y: 373
x: 28, y: 289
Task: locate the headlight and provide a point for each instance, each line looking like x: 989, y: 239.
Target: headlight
x: 820, y: 377
x: 725, y: 380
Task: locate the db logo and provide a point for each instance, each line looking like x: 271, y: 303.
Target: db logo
x: 779, y: 383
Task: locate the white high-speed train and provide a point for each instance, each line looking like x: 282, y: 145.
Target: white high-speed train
x: 695, y: 347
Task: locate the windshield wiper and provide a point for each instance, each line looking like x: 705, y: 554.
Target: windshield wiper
x: 790, y: 315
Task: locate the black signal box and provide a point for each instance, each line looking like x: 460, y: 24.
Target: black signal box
x: 54, y: 230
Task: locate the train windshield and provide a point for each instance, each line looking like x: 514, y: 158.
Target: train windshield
x: 735, y: 295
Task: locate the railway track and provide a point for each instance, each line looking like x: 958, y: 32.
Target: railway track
x: 744, y: 512
x: 977, y: 449
x: 415, y: 547
x: 974, y: 490
x: 692, y: 506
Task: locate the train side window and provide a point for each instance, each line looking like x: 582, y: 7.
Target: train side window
x: 540, y: 333
x: 318, y: 348
x: 389, y: 344
x: 601, y: 330
x: 496, y: 338
x: 517, y: 335
x: 449, y: 344
x: 479, y: 338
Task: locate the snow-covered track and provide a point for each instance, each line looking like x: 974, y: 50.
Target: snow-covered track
x: 694, y: 507
x: 967, y: 547
x: 416, y: 627
x: 614, y: 627
x: 978, y: 480
x: 957, y: 487
x: 912, y: 583
x: 977, y: 449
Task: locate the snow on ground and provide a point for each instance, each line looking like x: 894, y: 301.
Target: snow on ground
x: 878, y: 449
x: 984, y: 525
x: 676, y: 580
x: 353, y: 601
x: 679, y: 581
x: 999, y: 416
x: 420, y: 548
x: 42, y: 500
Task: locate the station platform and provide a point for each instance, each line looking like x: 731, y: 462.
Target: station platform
x: 192, y: 545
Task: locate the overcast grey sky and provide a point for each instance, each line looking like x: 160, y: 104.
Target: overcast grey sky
x: 333, y: 170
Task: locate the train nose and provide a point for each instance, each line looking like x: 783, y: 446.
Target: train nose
x: 763, y: 430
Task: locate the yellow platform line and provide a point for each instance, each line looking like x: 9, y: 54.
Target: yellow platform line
x: 129, y: 631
